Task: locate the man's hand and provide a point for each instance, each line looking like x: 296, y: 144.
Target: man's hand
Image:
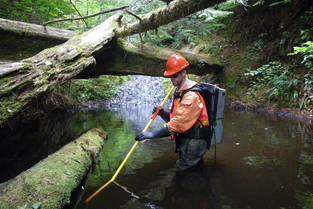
x: 165, y: 115
x: 161, y: 132
x: 144, y: 135
x: 161, y: 111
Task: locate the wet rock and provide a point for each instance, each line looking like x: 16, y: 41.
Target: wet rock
x: 141, y: 90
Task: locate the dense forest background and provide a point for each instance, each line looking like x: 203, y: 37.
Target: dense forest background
x: 266, y: 45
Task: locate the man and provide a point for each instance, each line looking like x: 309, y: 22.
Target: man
x: 187, y: 119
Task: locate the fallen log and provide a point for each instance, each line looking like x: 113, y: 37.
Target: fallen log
x: 49, y: 183
x: 173, y: 11
x: 29, y: 29
x: 126, y: 58
x: 22, y: 84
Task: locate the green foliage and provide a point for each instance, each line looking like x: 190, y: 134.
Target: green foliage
x: 167, y: 85
x: 305, y: 199
x: 189, y: 31
x: 40, y: 11
x: 282, y: 83
x: 192, y: 30
x: 86, y: 7
x: 259, y: 3
x: 36, y: 11
x: 284, y: 89
x: 145, y: 9
x: 234, y: 81
x: 252, y: 53
x: 101, y: 88
x: 307, y: 52
x: 228, y: 5
x: 160, y: 38
x: 308, y: 88
x: 301, y: 26
x: 281, y: 2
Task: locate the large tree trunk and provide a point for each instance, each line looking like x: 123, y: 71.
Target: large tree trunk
x: 28, y: 29
x: 26, y: 83
x: 50, y: 182
x: 20, y: 40
x: 173, y: 11
x: 125, y: 58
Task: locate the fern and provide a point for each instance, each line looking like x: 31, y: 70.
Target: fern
x: 281, y: 2
x: 307, y: 52
x: 186, y: 31
x: 283, y: 84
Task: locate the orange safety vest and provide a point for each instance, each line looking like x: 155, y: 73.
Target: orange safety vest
x: 176, y: 103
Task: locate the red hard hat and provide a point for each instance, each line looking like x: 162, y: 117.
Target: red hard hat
x: 175, y: 64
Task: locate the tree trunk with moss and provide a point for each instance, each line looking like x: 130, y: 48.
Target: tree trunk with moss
x: 173, y: 11
x: 49, y: 183
x: 22, y: 40
x: 39, y: 31
x: 27, y: 83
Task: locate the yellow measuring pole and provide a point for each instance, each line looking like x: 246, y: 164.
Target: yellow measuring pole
x: 133, y: 148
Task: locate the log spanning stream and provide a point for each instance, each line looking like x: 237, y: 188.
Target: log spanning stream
x: 262, y: 162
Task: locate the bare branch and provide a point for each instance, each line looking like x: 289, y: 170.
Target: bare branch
x: 85, y: 17
x: 78, y: 13
x: 129, y: 12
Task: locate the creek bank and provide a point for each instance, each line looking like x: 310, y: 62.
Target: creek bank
x: 303, y: 115
x: 49, y: 183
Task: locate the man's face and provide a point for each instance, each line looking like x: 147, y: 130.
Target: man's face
x: 178, y: 79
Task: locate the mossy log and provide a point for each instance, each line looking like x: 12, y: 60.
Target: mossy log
x: 125, y: 58
x: 23, y: 84
x: 50, y: 182
x: 28, y: 29
x: 173, y: 11
x: 20, y: 40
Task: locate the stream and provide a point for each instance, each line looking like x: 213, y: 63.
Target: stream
x: 262, y: 162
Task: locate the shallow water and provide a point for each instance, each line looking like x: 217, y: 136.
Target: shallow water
x: 262, y: 162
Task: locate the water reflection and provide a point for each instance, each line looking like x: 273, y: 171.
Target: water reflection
x: 262, y: 162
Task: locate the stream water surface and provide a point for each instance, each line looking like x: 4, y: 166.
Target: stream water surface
x: 262, y: 162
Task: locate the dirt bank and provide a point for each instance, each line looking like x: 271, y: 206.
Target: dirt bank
x: 303, y: 115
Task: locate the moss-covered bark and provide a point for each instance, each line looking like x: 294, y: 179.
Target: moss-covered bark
x: 50, y: 182
x: 173, y: 11
x: 149, y: 60
x: 23, y: 84
x: 39, y: 31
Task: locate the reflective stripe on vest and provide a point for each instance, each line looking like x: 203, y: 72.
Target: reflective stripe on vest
x: 204, y: 118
